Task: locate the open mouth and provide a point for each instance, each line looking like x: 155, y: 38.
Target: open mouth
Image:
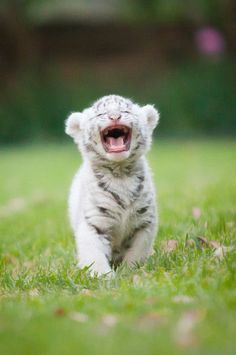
x: 116, y: 139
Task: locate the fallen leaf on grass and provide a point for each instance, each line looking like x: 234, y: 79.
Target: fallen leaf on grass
x: 18, y: 204
x: 13, y: 206
x: 10, y: 259
x: 86, y: 292
x: 109, y: 320
x: 137, y: 280
x: 169, y: 245
x: 182, y: 299
x: 190, y: 243
x: 208, y: 243
x: 230, y: 224
x: 78, y: 317
x: 203, y: 241
x: 214, y: 244
x: 196, y: 212
x: 184, y: 331
x: 34, y: 292
x: 39, y: 197
x: 150, y: 320
x: 152, y: 300
x: 29, y: 264
x: 221, y: 251
x: 59, y: 312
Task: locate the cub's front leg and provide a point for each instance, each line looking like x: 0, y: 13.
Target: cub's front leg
x: 93, y: 249
x: 141, y: 247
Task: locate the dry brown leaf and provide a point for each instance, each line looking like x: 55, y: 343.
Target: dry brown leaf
x: 214, y: 244
x: 152, y: 300
x: 86, y: 292
x: 196, y: 212
x: 137, y: 280
x: 182, y: 299
x: 29, y: 264
x: 18, y: 204
x: 220, y: 252
x: 39, y: 197
x: 230, y: 224
x: 34, y: 292
x: 78, y: 317
x: 109, y: 320
x: 60, y: 312
x: 13, y: 206
x: 169, y: 245
x: 207, y: 243
x: 184, y: 331
x: 151, y: 319
x: 10, y: 259
x: 190, y: 243
x: 203, y: 241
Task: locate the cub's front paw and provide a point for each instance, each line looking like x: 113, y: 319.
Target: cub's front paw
x: 97, y: 269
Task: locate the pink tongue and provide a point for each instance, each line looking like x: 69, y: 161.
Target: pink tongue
x: 115, y: 142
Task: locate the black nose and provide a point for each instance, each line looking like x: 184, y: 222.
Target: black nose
x: 115, y: 117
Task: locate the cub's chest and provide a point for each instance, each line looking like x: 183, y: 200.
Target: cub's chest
x: 125, y: 190
x: 121, y: 202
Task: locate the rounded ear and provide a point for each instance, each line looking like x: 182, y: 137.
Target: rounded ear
x: 73, y: 124
x: 152, y: 115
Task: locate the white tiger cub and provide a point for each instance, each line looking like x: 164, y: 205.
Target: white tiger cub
x: 112, y: 206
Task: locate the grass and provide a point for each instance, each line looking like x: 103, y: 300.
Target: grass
x: 179, y: 302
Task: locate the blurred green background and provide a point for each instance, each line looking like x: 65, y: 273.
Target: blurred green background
x: 59, y: 56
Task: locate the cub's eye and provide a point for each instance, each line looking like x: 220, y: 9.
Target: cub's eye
x: 101, y: 114
x: 125, y: 112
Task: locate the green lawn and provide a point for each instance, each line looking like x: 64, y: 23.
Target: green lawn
x: 183, y: 301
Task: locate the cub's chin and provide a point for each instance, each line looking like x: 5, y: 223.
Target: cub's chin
x: 116, y: 157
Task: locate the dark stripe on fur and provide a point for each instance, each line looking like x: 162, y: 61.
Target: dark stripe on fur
x: 143, y: 226
x: 142, y: 210
x: 102, y: 185
x: 98, y: 230
x: 105, y: 212
x: 117, y: 198
x: 141, y: 178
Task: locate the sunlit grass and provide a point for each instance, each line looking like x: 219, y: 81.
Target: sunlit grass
x: 42, y: 291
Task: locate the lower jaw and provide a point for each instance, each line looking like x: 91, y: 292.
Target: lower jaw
x: 117, y: 156
x: 117, y: 150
